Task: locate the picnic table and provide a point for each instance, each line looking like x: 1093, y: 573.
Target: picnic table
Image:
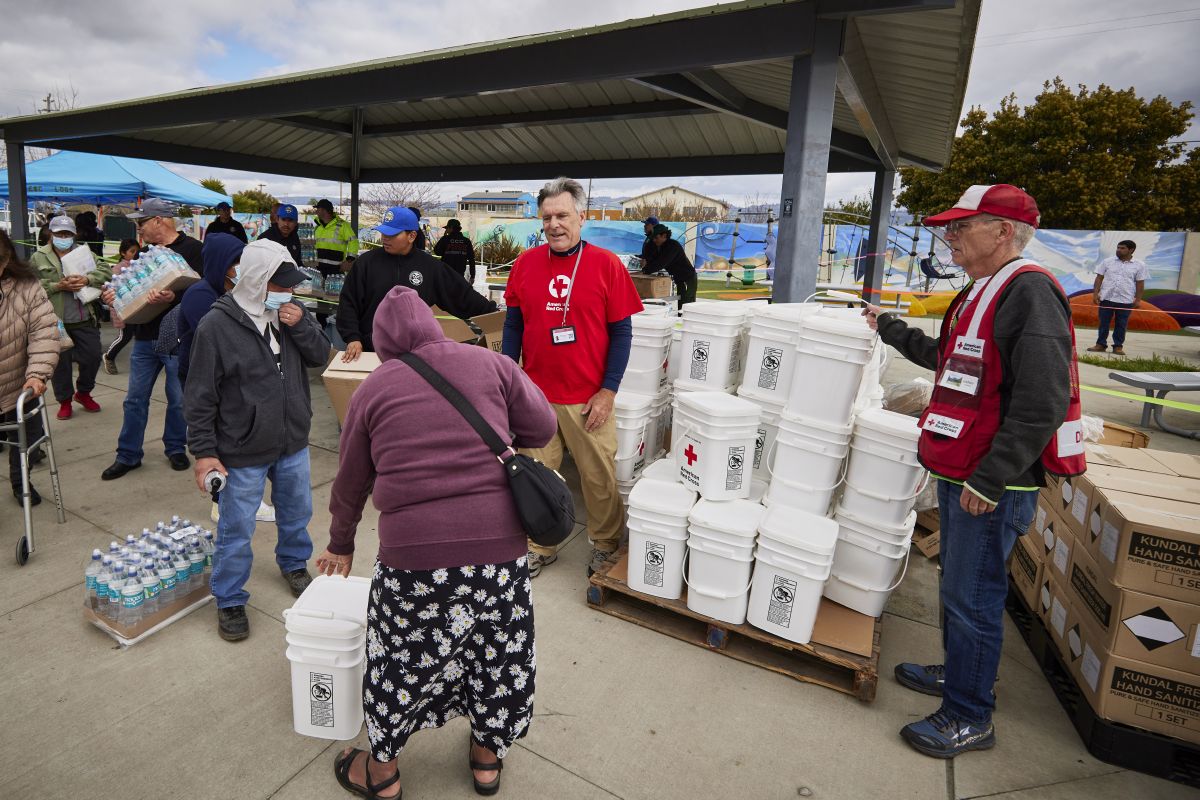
x: 1157, y: 384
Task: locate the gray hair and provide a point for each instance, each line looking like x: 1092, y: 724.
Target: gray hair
x: 1022, y: 234
x: 563, y: 184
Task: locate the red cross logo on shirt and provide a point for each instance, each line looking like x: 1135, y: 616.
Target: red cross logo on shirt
x: 559, y: 286
x: 691, y: 455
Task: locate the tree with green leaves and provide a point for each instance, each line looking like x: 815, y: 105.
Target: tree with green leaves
x: 1102, y: 159
x: 859, y: 206
x: 254, y: 201
x: 214, y: 185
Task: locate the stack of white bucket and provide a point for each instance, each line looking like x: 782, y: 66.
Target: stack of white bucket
x: 875, y: 516
x: 645, y: 396
x: 326, y: 636
x: 711, y: 344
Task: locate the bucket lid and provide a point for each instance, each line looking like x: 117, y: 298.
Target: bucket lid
x: 869, y: 527
x: 807, y: 426
x: 332, y: 607
x: 719, y: 404
x: 672, y: 498
x: 632, y: 403
x: 786, y: 311
x: 664, y: 469
x: 653, y: 317
x: 737, y: 517
x: 855, y: 328
x: 723, y: 311
x: 892, y: 423
x: 769, y: 403
x: 800, y: 529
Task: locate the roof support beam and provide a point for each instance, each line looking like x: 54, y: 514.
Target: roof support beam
x: 841, y: 9
x: 620, y: 111
x: 18, y: 213
x: 315, y: 124
x: 355, y: 165
x: 182, y: 154
x: 684, y: 88
x: 856, y: 82
x: 877, y: 240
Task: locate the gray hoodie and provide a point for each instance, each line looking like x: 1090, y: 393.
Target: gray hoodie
x: 240, y: 405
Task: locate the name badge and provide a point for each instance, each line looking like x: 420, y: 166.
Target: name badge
x: 563, y: 335
x: 1070, y: 438
x: 946, y: 426
x: 959, y: 382
x: 966, y: 346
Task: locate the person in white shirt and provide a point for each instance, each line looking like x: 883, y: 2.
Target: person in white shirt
x: 1120, y: 282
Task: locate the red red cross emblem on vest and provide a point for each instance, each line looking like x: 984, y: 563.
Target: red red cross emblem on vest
x: 691, y: 455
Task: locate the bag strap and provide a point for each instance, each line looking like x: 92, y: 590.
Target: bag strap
x: 460, y: 403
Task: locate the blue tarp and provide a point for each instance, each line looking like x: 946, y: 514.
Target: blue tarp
x: 107, y: 180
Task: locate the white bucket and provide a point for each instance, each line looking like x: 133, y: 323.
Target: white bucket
x: 733, y: 523
x: 800, y: 496
x: 758, y: 490
x: 860, y: 598
x: 878, y: 507
x: 829, y: 385
x: 656, y: 559
x: 785, y: 596
x: 710, y: 355
x: 809, y: 450
x: 718, y: 579
x: 645, y: 381
x: 713, y: 443
x: 798, y: 535
x: 632, y: 413
x: 651, y: 341
x: 666, y: 503
x: 894, y: 434
x: 764, y: 442
x: 327, y: 693
x: 663, y: 469
x: 844, y: 332
x: 891, y: 534
x: 867, y: 561
x: 771, y: 350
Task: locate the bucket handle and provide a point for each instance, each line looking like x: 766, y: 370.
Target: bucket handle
x: 304, y: 612
x: 826, y: 350
x: 652, y: 527
x: 893, y: 587
x: 877, y: 496
x: 714, y: 595
x: 841, y: 479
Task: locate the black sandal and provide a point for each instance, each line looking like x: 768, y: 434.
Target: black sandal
x: 341, y: 770
x: 490, y: 787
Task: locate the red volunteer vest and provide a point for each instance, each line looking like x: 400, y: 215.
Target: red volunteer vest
x: 964, y: 411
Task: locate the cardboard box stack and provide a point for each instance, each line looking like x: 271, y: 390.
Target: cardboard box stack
x: 1111, y: 564
x: 158, y: 269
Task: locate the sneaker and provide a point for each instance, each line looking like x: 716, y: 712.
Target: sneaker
x: 85, y: 399
x: 1118, y: 350
x: 64, y: 410
x: 598, y: 560
x: 535, y: 562
x: 1097, y: 348
x: 297, y: 580
x: 232, y: 623
x: 179, y: 462
x: 110, y: 366
x: 118, y: 470
x: 265, y: 513
x: 942, y: 736
x: 926, y: 679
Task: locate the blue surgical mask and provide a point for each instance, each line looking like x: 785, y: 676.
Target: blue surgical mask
x: 277, y: 299
x: 237, y: 271
x: 63, y: 243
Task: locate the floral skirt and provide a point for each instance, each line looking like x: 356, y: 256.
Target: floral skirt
x: 447, y: 642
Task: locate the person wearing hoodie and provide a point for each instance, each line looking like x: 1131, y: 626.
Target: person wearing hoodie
x: 399, y: 262
x: 221, y: 253
x: 450, y: 546
x: 248, y: 412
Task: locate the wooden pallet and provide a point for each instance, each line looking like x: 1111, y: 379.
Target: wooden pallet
x: 818, y: 662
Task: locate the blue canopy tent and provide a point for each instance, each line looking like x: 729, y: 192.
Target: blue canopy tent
x: 68, y: 177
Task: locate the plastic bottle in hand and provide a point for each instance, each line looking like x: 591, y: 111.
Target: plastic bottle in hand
x: 133, y: 598
x: 89, y: 578
x: 210, y: 549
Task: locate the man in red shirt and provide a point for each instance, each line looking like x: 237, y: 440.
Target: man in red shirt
x: 569, y: 305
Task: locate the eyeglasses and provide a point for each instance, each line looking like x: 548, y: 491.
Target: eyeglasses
x: 141, y: 223
x: 957, y: 226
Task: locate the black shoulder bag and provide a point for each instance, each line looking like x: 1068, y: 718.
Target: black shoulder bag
x: 543, y: 500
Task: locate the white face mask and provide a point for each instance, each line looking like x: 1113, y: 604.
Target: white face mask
x: 275, y: 300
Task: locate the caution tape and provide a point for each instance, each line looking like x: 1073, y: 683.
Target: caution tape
x: 1158, y: 401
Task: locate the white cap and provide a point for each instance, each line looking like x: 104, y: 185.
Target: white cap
x: 62, y: 223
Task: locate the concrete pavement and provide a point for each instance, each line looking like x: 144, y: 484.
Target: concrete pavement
x: 621, y: 711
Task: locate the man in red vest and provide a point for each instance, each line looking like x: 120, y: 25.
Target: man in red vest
x: 1004, y: 412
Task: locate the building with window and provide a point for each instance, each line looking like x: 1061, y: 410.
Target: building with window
x: 674, y: 202
x: 514, y: 204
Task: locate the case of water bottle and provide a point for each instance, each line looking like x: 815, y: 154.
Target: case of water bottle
x: 157, y: 269
x: 149, y: 580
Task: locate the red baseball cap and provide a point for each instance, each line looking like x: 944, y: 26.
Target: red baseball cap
x: 1001, y: 200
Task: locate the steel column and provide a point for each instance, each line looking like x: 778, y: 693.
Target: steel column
x: 356, y: 128
x: 877, y: 240
x: 18, y: 211
x: 806, y: 163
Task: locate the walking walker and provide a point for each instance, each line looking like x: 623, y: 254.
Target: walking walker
x: 25, y: 546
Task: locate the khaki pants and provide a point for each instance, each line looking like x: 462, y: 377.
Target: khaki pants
x: 595, y: 456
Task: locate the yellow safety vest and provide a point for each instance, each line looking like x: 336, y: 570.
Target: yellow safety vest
x: 334, y: 242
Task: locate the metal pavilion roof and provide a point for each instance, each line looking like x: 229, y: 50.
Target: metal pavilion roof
x: 704, y: 91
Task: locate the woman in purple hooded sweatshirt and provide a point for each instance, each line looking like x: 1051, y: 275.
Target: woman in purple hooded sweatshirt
x: 450, y: 620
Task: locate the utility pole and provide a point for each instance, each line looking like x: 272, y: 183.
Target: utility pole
x: 49, y: 101
x: 588, y: 212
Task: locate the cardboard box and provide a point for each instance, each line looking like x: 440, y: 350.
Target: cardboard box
x: 1180, y: 463
x: 137, y: 310
x: 129, y: 634
x: 1146, y: 696
x: 1153, y: 630
x: 342, y: 379
x: 1026, y: 570
x: 649, y: 286
x: 1099, y: 455
x: 1078, y: 496
x: 929, y: 519
x: 1123, y: 436
x: 1054, y: 607
x: 1052, y: 536
x: 930, y: 544
x: 486, y: 329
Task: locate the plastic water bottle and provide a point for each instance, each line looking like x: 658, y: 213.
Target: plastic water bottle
x: 210, y: 549
x: 103, y: 578
x: 89, y: 577
x: 166, y: 576
x: 133, y: 598
x: 151, y: 586
x: 196, y: 557
x: 175, y: 522
x: 130, y: 540
x: 113, y: 606
x: 183, y: 570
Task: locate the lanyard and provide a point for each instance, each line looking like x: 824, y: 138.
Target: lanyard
x: 571, y: 285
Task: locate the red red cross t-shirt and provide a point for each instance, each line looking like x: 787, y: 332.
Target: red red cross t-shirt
x: 603, y: 293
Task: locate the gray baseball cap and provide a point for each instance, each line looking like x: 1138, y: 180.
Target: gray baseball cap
x: 154, y: 207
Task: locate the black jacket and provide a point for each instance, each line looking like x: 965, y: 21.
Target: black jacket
x: 292, y: 243
x: 240, y: 406
x: 456, y: 252
x: 233, y: 228
x: 375, y: 273
x: 671, y: 258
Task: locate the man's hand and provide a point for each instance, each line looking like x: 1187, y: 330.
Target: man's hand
x: 160, y: 296
x: 108, y: 296
x: 973, y: 504
x: 35, y: 385
x: 346, y: 265
x: 353, y: 351
x: 599, y: 409
x: 872, y: 314
x: 332, y: 564
x: 290, y: 314
x: 205, y: 466
x: 72, y: 283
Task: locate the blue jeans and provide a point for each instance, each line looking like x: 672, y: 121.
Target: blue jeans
x: 974, y: 551
x: 1108, y: 310
x: 144, y: 366
x: 291, y: 494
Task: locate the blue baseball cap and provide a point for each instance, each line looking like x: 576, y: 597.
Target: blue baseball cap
x: 288, y: 212
x: 397, y: 219
x: 650, y: 221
